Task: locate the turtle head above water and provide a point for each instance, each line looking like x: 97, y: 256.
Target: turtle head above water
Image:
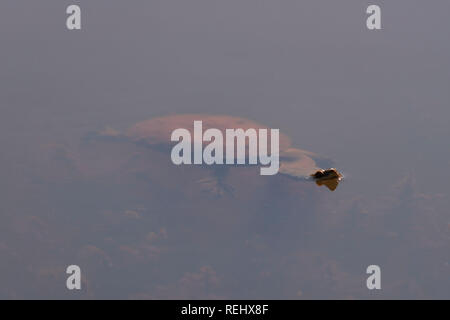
x: 331, y: 173
x: 303, y: 165
x: 329, y: 177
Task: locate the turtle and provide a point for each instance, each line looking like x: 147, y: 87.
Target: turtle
x: 109, y: 177
x: 155, y: 134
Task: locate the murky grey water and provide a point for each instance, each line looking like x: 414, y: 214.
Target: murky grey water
x: 374, y: 102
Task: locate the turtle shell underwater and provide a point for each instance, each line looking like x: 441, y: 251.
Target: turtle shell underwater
x: 155, y: 134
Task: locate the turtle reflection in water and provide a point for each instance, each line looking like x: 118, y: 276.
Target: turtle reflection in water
x: 155, y: 134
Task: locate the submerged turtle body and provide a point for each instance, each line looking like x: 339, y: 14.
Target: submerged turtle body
x: 156, y: 132
x: 140, y: 159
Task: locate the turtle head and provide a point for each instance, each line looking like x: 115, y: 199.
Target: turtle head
x: 300, y: 164
x: 329, y: 177
x: 331, y: 173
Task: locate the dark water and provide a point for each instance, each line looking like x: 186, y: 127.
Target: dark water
x: 377, y: 103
